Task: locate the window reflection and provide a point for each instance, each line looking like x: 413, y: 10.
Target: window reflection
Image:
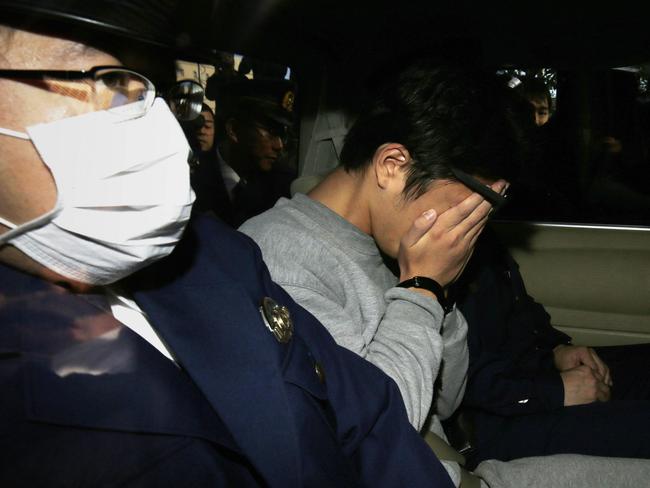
x: 591, y: 155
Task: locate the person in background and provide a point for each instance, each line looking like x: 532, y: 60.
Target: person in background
x: 224, y: 74
x: 205, y: 132
x: 546, y: 187
x: 254, y: 154
x: 206, y: 178
x: 538, y: 95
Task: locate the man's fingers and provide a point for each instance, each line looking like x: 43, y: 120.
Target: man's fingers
x: 474, y: 233
x: 466, y: 214
x: 453, y: 216
x: 472, y: 210
x: 603, y: 392
x: 591, y: 359
x: 603, y: 369
x: 500, y: 186
x: 587, y: 359
x: 420, y: 227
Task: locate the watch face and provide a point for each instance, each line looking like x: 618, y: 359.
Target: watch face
x: 277, y: 319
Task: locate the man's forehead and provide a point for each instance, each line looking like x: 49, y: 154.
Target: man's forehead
x: 24, y: 49
x: 539, y: 102
x: 446, y: 192
x: 34, y: 50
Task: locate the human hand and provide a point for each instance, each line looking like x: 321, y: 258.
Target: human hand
x: 582, y: 385
x: 568, y: 357
x: 439, y: 246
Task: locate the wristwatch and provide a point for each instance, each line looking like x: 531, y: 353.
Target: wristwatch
x: 433, y: 286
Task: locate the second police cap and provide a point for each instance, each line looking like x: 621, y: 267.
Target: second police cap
x: 259, y: 99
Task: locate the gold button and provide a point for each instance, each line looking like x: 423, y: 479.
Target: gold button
x: 277, y: 319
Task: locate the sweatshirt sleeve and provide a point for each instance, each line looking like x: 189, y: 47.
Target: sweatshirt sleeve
x: 407, y: 344
x: 452, y: 378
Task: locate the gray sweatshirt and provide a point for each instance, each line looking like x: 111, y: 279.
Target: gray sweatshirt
x: 336, y: 272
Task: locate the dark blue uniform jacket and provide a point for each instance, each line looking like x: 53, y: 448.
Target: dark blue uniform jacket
x: 510, y: 337
x: 87, y: 402
x: 515, y: 396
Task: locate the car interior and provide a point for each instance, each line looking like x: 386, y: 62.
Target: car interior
x: 584, y: 250
x: 582, y: 240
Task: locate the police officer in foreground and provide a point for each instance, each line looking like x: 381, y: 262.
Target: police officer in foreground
x: 136, y: 351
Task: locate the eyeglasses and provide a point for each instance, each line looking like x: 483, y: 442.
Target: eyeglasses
x: 495, y: 198
x: 185, y: 100
x: 113, y: 88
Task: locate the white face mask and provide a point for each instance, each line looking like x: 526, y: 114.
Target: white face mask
x: 124, y: 194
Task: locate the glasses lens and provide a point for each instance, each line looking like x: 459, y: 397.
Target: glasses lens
x: 186, y: 100
x: 123, y: 91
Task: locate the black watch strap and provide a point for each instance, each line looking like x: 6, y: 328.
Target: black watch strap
x: 433, y: 286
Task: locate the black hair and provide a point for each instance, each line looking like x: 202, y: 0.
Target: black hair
x: 206, y: 108
x: 535, y: 89
x: 445, y: 117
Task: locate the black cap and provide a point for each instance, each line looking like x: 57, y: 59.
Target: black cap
x: 259, y: 99
x: 149, y: 21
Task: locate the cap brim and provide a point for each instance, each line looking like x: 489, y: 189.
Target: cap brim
x: 168, y: 24
x: 261, y: 110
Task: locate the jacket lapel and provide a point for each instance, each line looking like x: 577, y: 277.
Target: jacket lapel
x: 217, y: 335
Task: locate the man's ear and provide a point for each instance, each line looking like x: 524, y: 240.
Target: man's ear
x: 388, y: 163
x: 231, y: 132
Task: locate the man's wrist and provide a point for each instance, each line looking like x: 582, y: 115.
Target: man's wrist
x: 423, y: 292
x: 432, y: 287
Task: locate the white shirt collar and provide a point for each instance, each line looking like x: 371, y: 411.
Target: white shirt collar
x: 230, y: 176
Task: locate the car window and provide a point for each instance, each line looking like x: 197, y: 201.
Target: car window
x: 591, y: 157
